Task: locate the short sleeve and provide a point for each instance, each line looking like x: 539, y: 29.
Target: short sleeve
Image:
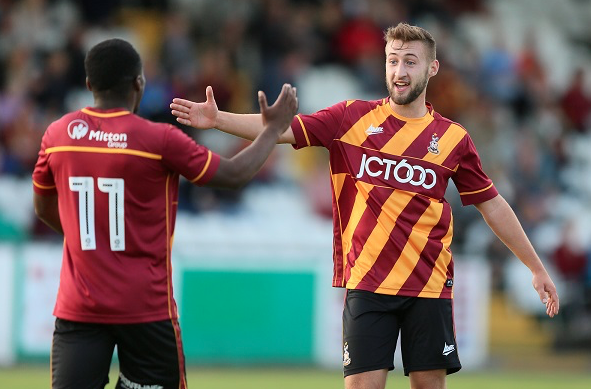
x: 472, y: 183
x: 183, y: 155
x: 319, y: 128
x: 43, y: 181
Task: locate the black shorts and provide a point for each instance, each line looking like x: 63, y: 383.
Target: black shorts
x: 150, y: 355
x: 371, y: 323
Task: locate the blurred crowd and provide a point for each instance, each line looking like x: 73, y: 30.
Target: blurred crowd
x: 523, y: 96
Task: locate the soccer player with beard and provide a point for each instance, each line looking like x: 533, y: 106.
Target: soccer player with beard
x: 108, y: 181
x: 390, y: 164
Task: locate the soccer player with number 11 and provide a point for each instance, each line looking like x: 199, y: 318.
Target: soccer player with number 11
x: 108, y: 180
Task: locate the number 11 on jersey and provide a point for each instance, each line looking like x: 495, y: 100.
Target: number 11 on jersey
x: 115, y: 188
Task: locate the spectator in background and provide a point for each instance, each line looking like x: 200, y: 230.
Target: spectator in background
x: 570, y: 257
x: 359, y: 45
x: 52, y: 86
x: 576, y: 104
x: 571, y: 260
x: 303, y: 35
x: 499, y: 77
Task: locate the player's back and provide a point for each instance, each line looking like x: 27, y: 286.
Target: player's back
x: 97, y: 156
x: 117, y: 201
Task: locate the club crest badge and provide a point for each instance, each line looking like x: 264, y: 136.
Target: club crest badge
x: 346, y: 358
x: 433, y: 145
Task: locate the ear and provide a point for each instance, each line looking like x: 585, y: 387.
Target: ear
x: 433, y: 68
x: 88, y: 86
x: 138, y: 82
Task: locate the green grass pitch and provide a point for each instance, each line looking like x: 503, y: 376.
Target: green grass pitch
x: 37, y: 377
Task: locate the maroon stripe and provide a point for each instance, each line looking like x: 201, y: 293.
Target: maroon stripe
x: 391, y: 251
x: 181, y: 354
x: 368, y: 222
x: 454, y: 157
x: 390, y: 127
x: 418, y: 148
x: 346, y: 201
x: 337, y: 244
x: 340, y: 155
x: 342, y: 208
x: 424, y: 268
x: 343, y: 214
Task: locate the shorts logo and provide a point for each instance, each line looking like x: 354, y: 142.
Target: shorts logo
x: 346, y: 358
x: 448, y: 349
x: 77, y: 129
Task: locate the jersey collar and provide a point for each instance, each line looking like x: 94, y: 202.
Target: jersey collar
x: 105, y: 113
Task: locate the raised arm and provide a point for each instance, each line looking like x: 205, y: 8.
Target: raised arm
x: 239, y: 169
x: 206, y: 115
x: 500, y: 217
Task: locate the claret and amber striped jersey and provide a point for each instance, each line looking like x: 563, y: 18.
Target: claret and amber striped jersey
x: 392, y: 226
x: 117, y: 178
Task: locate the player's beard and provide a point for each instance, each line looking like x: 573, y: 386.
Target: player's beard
x: 412, y: 95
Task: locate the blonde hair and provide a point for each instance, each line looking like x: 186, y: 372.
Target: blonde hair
x: 407, y: 33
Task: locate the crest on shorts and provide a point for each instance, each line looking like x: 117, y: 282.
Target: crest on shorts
x: 433, y: 145
x: 346, y: 358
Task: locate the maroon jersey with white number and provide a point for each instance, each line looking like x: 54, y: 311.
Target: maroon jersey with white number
x: 392, y: 226
x: 117, y: 177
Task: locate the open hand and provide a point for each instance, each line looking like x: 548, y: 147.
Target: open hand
x: 547, y: 292
x: 198, y: 115
x: 281, y: 113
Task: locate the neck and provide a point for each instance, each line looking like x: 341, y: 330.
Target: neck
x: 109, y: 102
x: 415, y: 109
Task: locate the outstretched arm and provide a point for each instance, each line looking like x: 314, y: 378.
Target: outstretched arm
x: 500, y: 217
x: 239, y: 169
x: 206, y: 115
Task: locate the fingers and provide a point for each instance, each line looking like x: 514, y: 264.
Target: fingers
x: 551, y: 307
x: 180, y: 114
x: 553, y: 303
x: 263, y: 101
x: 180, y: 105
x: 556, y: 302
x: 209, y: 95
x: 185, y: 122
x: 549, y: 297
x: 296, y: 102
x: 286, y: 92
x: 182, y: 117
x: 183, y: 105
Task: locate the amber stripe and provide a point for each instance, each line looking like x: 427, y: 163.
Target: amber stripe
x: 447, y: 143
x: 371, y: 222
x: 441, y: 269
x: 105, y: 114
x: 433, y: 254
x: 204, y: 168
x: 101, y: 150
x: 43, y: 186
x: 356, y: 135
x: 392, y: 249
x: 378, y: 245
